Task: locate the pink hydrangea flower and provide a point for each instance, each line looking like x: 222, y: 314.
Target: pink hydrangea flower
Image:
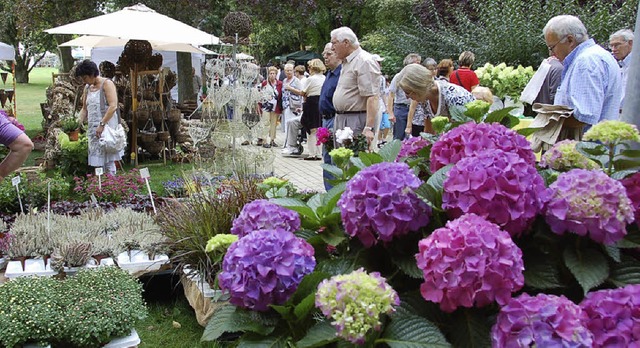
x: 469, y: 262
x: 264, y: 215
x: 541, y: 321
x: 632, y: 185
x: 470, y: 138
x: 614, y: 316
x: 411, y: 146
x: 498, y: 185
x: 323, y: 135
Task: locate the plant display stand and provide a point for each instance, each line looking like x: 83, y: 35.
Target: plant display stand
x: 130, y: 341
x: 137, y: 262
x: 32, y: 267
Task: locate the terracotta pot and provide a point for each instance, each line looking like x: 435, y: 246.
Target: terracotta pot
x: 73, y: 135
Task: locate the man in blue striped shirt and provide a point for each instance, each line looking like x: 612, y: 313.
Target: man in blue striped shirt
x: 591, y: 77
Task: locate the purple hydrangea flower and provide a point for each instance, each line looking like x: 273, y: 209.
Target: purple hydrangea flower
x: 355, y: 301
x: 411, y: 146
x: 264, y: 215
x: 469, y: 138
x: 498, y: 185
x: 614, y: 316
x: 379, y: 203
x: 469, y: 261
x: 588, y: 202
x: 265, y: 267
x: 632, y: 185
x: 540, y: 321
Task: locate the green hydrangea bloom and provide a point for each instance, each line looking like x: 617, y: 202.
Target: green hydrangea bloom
x: 564, y: 156
x: 439, y: 123
x: 476, y: 109
x: 220, y: 242
x: 612, y: 132
x: 341, y: 153
x: 355, y: 302
x: 274, y: 182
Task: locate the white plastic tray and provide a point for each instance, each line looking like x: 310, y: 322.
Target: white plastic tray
x: 139, y: 261
x: 31, y: 267
x: 132, y: 340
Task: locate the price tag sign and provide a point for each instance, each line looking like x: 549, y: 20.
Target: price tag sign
x: 99, y: 171
x: 144, y: 173
x: 15, y: 181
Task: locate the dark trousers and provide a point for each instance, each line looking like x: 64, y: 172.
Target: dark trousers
x: 400, y: 111
x: 328, y: 124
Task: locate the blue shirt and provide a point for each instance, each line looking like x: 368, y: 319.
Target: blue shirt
x: 590, y: 84
x: 328, y: 89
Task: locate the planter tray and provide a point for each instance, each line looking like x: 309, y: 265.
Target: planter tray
x: 139, y: 262
x: 132, y: 340
x: 205, y: 288
x: 31, y: 267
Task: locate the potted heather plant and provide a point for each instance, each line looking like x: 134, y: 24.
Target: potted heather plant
x: 71, y: 126
x: 483, y: 247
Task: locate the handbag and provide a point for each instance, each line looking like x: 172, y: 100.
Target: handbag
x: 113, y: 140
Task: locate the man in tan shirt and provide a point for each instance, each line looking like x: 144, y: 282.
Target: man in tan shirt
x: 356, y: 96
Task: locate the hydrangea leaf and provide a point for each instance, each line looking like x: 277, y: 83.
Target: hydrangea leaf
x: 593, y: 151
x: 331, y: 169
x: 358, y: 162
x: 588, y: 266
x: 370, y: 158
x: 472, y: 329
x: 407, y: 264
x: 498, y: 115
x: 625, y: 163
x: 308, y: 285
x: 408, y: 330
x: 619, y: 175
x: 390, y: 151
x: 298, y: 206
x: 541, y: 271
x: 613, y: 252
x: 437, y: 179
x: 319, y: 335
x: 253, y: 340
x: 305, y: 307
x: 229, y: 318
x: 527, y: 131
x: 627, y: 271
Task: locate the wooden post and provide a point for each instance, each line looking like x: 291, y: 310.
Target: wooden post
x: 134, y: 118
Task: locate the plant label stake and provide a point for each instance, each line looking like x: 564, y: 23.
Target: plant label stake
x: 94, y: 200
x: 99, y: 173
x: 15, y: 182
x: 49, y: 208
x: 144, y: 173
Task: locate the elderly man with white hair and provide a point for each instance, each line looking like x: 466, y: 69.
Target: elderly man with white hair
x: 621, y: 43
x: 591, y: 77
x: 356, y: 96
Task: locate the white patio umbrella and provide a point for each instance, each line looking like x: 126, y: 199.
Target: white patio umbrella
x: 7, y: 52
x: 91, y: 41
x: 243, y: 56
x: 138, y: 22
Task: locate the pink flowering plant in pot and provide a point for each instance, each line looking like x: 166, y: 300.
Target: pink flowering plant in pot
x: 455, y: 240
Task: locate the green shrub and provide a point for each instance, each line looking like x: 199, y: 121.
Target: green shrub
x: 74, y: 157
x: 87, y: 310
x: 33, y: 191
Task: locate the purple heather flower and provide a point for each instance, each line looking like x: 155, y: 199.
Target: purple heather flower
x: 355, y: 302
x: 614, y: 316
x: 469, y: 138
x: 564, y: 156
x: 470, y: 261
x: 264, y: 215
x: 632, y: 185
x: 498, y: 185
x: 379, y: 203
x: 411, y: 146
x: 590, y: 203
x: 540, y: 321
x: 265, y: 267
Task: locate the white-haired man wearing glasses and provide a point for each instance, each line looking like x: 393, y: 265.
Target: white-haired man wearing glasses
x: 591, y: 77
x: 621, y: 43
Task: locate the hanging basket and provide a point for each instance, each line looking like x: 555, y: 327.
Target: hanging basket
x: 154, y: 147
x: 163, y: 136
x: 142, y: 115
x: 148, y: 137
x: 175, y: 115
x: 157, y: 117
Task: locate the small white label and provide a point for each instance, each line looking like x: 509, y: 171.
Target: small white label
x: 99, y: 171
x: 15, y: 181
x: 144, y: 173
x: 94, y: 200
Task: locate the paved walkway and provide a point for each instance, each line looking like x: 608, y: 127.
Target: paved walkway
x: 305, y: 175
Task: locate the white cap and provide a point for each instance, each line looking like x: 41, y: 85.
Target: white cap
x: 377, y: 58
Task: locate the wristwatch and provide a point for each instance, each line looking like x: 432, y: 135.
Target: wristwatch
x: 368, y: 128
x: 102, y: 124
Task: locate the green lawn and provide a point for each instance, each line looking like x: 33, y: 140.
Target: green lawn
x: 28, y: 99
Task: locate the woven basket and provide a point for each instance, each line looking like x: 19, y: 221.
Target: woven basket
x: 175, y: 115
x: 142, y: 115
x: 147, y: 137
x: 157, y: 117
x: 183, y: 138
x: 154, y: 147
x: 163, y: 136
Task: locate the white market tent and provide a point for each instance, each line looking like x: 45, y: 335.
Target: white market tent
x: 138, y: 22
x: 91, y: 41
x: 7, y: 52
x: 243, y: 56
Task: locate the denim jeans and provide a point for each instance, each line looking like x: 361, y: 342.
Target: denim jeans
x: 325, y: 156
x: 400, y: 112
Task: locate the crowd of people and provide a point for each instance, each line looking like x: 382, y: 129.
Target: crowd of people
x: 348, y: 89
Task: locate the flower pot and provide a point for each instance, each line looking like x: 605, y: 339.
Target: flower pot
x: 73, y: 135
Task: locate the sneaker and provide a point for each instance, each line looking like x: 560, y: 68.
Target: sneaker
x: 260, y: 142
x: 246, y: 142
x: 288, y: 150
x: 266, y: 145
x: 273, y: 144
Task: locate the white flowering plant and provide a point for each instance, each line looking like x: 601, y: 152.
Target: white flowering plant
x: 505, y: 80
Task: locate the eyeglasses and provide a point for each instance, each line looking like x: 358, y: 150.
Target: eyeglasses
x: 616, y: 44
x: 556, y: 44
